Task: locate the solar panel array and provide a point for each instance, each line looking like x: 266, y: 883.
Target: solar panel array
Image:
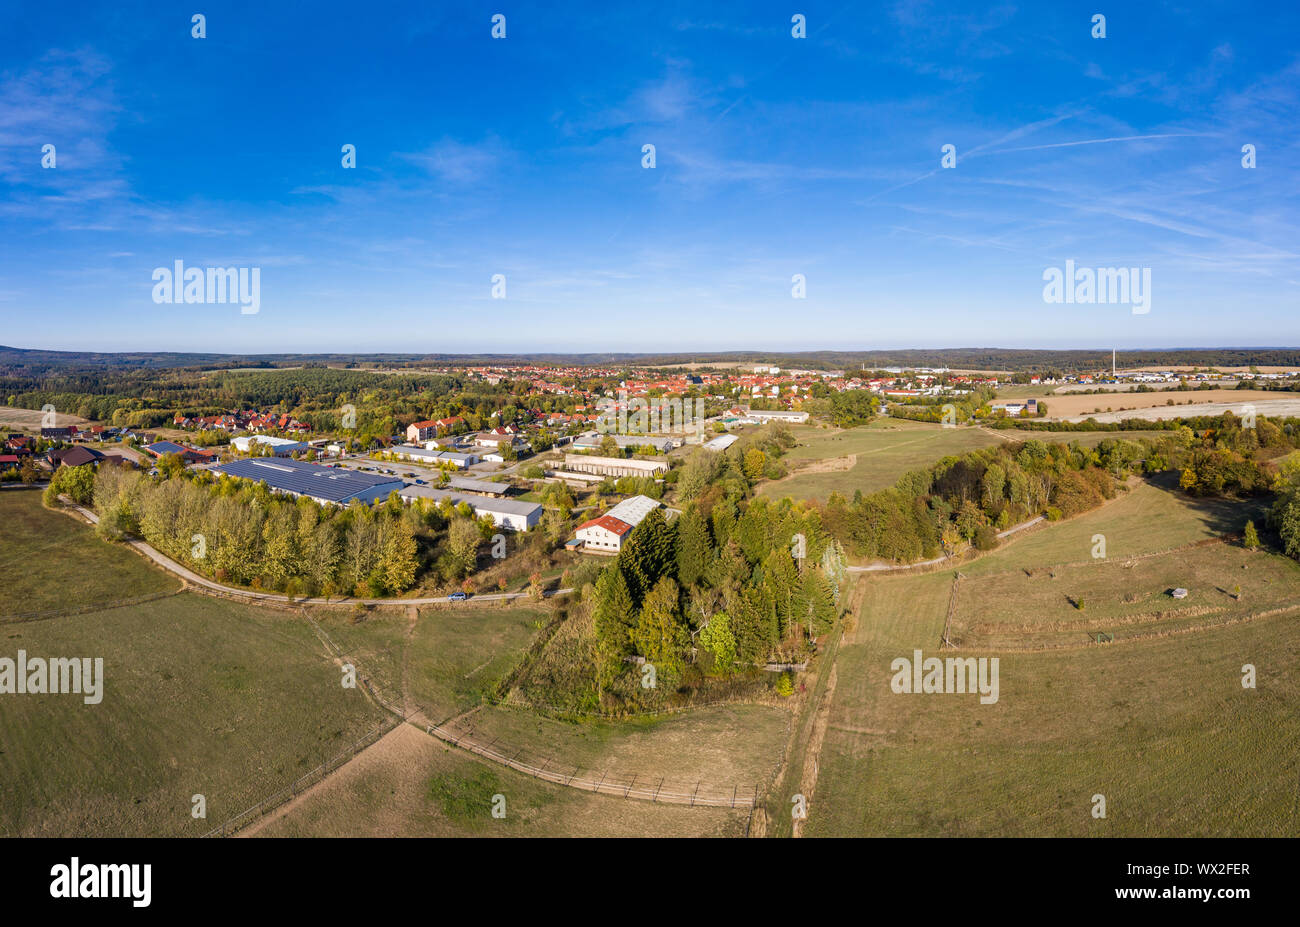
x: 334, y: 484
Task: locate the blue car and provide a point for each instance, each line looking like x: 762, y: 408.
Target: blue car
x: 458, y: 597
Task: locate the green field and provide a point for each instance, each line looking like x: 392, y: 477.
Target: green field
x: 201, y: 696
x: 447, y: 661
x: 1162, y: 727
x: 1151, y: 516
x: 1030, y: 609
x: 872, y: 457
x: 869, y: 457
x: 51, y: 563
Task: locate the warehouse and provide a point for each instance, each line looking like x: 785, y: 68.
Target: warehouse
x: 506, y: 513
x: 606, y: 533
x: 591, y: 441
x: 482, y: 487
x: 326, y: 485
x: 280, y: 447
x: 613, y: 466
x: 762, y: 417
x: 434, y: 457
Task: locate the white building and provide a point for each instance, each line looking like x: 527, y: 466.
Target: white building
x: 613, y: 466
x: 280, y: 447
x: 506, y: 513
x: 606, y: 533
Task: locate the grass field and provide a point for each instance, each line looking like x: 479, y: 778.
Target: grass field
x: 732, y: 745
x: 50, y: 562
x: 869, y: 457
x: 1152, y: 516
x: 1161, y: 727
x: 451, y: 657
x: 201, y: 696
x: 1030, y: 609
x: 872, y: 457
x: 411, y: 785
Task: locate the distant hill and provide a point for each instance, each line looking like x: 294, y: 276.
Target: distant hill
x: 34, y: 362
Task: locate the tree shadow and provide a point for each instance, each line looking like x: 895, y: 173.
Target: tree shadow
x: 1219, y: 515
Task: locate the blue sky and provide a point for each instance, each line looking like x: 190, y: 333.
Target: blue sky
x: 522, y: 156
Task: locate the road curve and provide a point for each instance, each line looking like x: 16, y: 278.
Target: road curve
x: 185, y: 573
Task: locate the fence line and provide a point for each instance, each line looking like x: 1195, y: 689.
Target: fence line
x: 689, y: 792
x: 248, y: 815
x: 87, y: 608
x: 944, y: 642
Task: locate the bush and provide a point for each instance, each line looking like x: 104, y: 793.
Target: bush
x: 986, y: 538
x: 785, y: 684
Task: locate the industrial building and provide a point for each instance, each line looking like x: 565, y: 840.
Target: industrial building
x: 780, y: 415
x: 606, y: 533
x: 280, y: 447
x: 591, y: 441
x: 482, y: 487
x: 332, y: 485
x: 506, y: 513
x: 434, y: 457
x: 613, y: 466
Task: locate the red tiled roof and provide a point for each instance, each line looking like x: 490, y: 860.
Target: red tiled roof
x: 609, y: 523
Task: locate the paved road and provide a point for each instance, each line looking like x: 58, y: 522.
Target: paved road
x: 167, y: 563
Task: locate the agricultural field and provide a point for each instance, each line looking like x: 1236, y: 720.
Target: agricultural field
x: 32, y: 420
x: 1168, y: 404
x: 1161, y: 726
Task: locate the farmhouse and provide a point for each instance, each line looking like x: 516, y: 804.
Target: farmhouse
x: 332, y: 485
x: 606, y: 533
x: 506, y: 513
x: 613, y: 466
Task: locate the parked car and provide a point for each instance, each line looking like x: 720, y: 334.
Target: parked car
x: 458, y: 597
x: 419, y: 482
